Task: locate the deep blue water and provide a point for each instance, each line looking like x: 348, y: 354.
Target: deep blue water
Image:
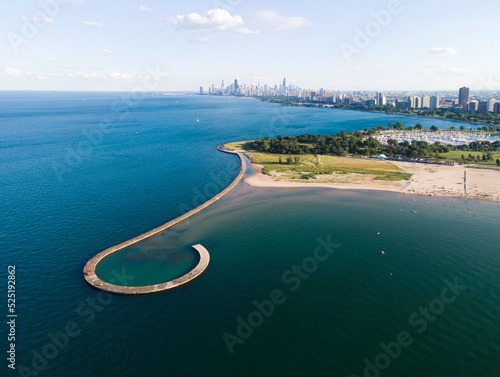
x: 81, y: 172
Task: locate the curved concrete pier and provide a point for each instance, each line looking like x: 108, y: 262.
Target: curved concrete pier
x: 90, y: 267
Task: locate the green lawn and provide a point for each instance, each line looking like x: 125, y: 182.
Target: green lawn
x: 237, y: 145
x: 457, y: 156
x: 318, y: 166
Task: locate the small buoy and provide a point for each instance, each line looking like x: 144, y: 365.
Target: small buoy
x: 378, y: 232
x: 383, y: 252
x: 391, y: 273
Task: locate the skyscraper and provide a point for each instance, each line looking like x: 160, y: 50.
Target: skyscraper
x: 434, y: 102
x: 284, y: 84
x: 236, y: 87
x: 473, y: 105
x: 425, y: 102
x: 491, y: 104
x: 463, y: 97
x: 381, y: 99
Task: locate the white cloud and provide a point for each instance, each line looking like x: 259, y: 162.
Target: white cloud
x: 100, y: 75
x: 93, y: 24
x: 269, y: 19
x: 145, y: 9
x: 212, y: 20
x: 40, y: 20
x: 202, y: 40
x: 443, y: 51
x: 107, y: 51
x: 17, y: 73
x: 239, y: 31
x: 12, y: 72
x: 120, y: 76
x: 442, y: 68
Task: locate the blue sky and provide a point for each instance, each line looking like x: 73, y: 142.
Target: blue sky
x: 339, y: 45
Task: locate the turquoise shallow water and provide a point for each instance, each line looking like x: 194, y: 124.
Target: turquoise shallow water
x: 157, y: 162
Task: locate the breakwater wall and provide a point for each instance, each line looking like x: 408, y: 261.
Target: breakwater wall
x: 90, y: 267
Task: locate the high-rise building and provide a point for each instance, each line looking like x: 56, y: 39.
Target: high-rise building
x: 482, y: 106
x: 201, y: 90
x: 491, y: 104
x: 473, y: 105
x: 381, y: 99
x: 418, y: 102
x: 425, y: 101
x: 434, y: 102
x: 236, y: 87
x: 284, y: 84
x: 463, y: 97
x: 415, y: 102
x: 496, y: 108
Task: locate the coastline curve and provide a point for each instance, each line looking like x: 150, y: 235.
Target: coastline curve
x: 89, y: 271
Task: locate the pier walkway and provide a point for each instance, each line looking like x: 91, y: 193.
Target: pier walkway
x: 90, y: 267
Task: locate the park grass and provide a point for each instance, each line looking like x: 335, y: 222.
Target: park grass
x: 238, y: 145
x: 457, y: 156
x: 313, y: 166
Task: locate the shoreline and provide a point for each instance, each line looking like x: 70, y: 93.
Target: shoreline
x: 89, y: 271
x: 386, y: 113
x: 427, y: 180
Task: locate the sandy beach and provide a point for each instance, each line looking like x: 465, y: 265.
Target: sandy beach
x: 427, y: 179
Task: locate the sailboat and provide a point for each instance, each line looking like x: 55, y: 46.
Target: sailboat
x: 197, y: 120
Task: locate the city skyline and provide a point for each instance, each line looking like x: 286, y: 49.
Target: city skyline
x: 487, y: 101
x: 371, y: 45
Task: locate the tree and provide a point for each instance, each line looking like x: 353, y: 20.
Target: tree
x: 498, y: 162
x: 462, y: 128
x: 434, y: 128
x: 418, y: 126
x: 453, y: 128
x: 393, y: 142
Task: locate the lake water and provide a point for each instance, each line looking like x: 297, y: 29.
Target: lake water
x: 81, y: 172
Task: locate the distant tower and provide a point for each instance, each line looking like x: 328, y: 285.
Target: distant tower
x: 284, y: 83
x: 434, y: 102
x: 201, y: 90
x: 463, y: 97
x: 381, y: 99
x: 222, y: 87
